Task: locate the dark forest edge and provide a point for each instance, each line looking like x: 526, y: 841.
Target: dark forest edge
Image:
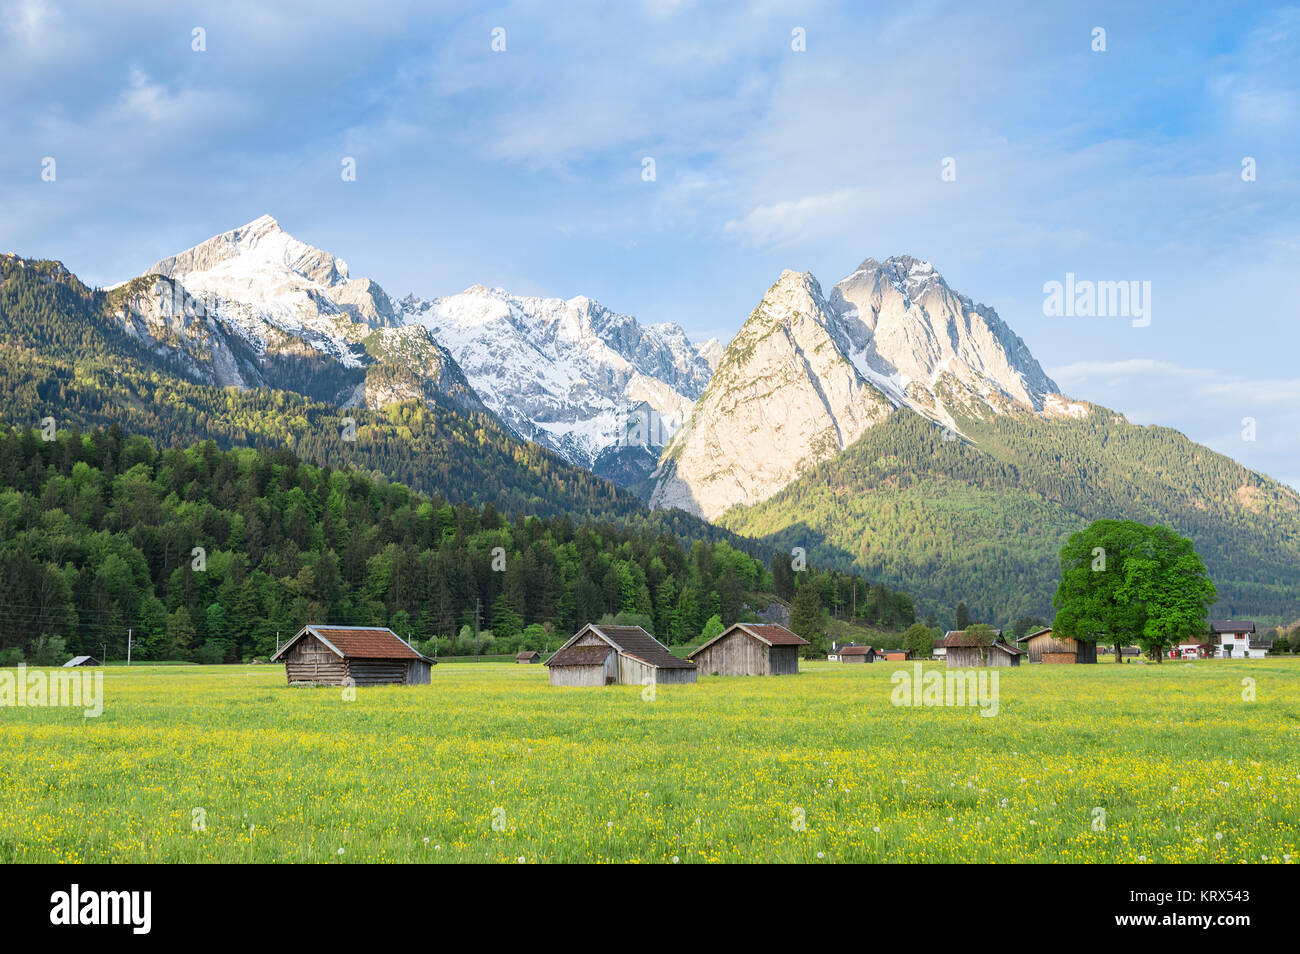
x: 206, y: 555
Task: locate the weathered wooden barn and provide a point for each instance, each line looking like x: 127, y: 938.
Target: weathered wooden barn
x: 77, y: 661
x: 605, y: 655
x: 750, y: 649
x: 1044, y: 646
x: 528, y: 656
x: 856, y: 654
x: 352, y: 656
x: 964, y: 651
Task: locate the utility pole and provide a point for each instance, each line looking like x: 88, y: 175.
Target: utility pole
x: 277, y: 642
x: 478, y: 613
x: 128, y: 647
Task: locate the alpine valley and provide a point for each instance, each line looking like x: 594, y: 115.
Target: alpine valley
x: 893, y: 426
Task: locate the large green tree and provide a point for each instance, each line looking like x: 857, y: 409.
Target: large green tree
x: 919, y: 638
x: 1130, y: 583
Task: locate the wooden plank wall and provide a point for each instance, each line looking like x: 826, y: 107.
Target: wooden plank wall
x: 633, y: 672
x: 419, y: 673
x: 310, y: 660
x: 736, y: 654
x: 784, y: 660
x: 677, y: 676
x: 578, y: 675
x: 377, y: 672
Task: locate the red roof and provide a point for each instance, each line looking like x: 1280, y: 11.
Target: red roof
x: 360, y: 642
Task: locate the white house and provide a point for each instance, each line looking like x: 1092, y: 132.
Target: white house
x: 1231, y: 639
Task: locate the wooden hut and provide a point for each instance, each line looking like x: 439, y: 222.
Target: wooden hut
x: 750, y: 649
x: 528, y: 657
x: 352, y: 656
x: 604, y: 655
x: 965, y: 651
x: 1044, y: 646
x: 853, y: 653
x: 77, y: 661
x: 894, y: 655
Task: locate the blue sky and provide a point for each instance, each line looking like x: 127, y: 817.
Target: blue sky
x: 523, y: 168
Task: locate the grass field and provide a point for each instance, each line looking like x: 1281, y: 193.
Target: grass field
x: 1184, y: 768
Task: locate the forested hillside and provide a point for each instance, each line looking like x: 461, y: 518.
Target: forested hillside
x: 206, y: 554
x: 983, y: 522
x: 65, y: 359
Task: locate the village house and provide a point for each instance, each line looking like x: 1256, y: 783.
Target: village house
x: 605, y: 655
x: 750, y: 649
x: 966, y: 651
x: 1234, y: 639
x: 1043, y: 646
x: 352, y: 656
x: 1194, y: 648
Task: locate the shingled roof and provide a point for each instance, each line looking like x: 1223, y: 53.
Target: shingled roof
x: 581, y: 656
x: 770, y: 634
x: 1232, y: 626
x: 636, y: 642
x: 631, y: 641
x: 357, y: 642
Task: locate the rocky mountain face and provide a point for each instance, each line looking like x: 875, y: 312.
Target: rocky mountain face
x: 905, y: 330
x: 784, y: 397
x: 807, y: 375
x: 570, y: 374
x: 255, y: 307
x: 711, y: 352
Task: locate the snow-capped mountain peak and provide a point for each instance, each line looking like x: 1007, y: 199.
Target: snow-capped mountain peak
x: 567, y: 372
x: 255, y: 306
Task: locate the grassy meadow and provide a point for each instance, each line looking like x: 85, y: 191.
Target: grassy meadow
x: 490, y: 764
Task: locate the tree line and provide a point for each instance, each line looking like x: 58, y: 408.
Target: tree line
x: 207, y: 554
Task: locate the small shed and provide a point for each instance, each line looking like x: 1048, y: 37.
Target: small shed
x: 605, y: 655
x: 965, y: 651
x: 1043, y: 646
x: 528, y: 656
x: 857, y: 654
x: 940, y: 650
x: 352, y: 656
x: 76, y: 661
x: 894, y: 655
x: 750, y: 649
